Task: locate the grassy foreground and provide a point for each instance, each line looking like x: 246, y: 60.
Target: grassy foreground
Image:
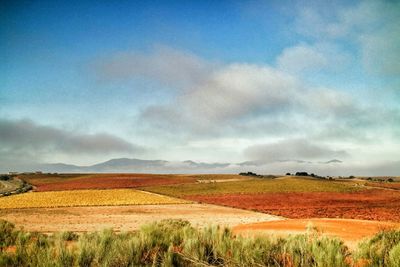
x: 176, y: 243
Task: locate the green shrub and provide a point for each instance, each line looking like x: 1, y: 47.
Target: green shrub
x: 377, y: 249
x: 69, y: 236
x: 5, y: 177
x: 394, y: 256
x: 87, y: 252
x: 7, y: 234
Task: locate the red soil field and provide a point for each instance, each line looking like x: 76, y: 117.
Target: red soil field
x: 375, y: 204
x: 108, y: 181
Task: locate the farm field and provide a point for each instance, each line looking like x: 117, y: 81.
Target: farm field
x: 394, y: 185
x: 84, y: 198
x: 375, y: 204
x: 256, y: 186
x: 293, y: 197
x: 127, y: 218
x: 57, y: 182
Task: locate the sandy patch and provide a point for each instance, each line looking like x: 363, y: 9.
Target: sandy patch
x: 202, y: 181
x: 126, y: 218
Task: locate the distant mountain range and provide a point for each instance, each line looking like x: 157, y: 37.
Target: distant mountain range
x: 155, y: 166
x: 132, y: 165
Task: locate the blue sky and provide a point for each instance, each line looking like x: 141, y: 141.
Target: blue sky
x: 212, y: 81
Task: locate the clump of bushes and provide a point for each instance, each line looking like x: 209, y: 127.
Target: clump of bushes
x: 5, y: 177
x: 253, y: 174
x: 382, y: 250
x: 23, y: 186
x: 311, y: 175
x: 249, y: 174
x: 380, y: 180
x: 177, y: 243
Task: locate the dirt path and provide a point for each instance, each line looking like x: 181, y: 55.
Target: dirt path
x: 350, y: 231
x: 124, y: 218
x: 8, y: 186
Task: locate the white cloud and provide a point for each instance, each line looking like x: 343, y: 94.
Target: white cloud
x: 301, y: 58
x: 249, y: 99
x: 317, y: 57
x: 372, y: 25
x: 238, y: 90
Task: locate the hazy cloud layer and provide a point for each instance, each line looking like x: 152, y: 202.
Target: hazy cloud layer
x: 33, y: 141
x: 346, y: 168
x: 170, y: 67
x: 328, y: 168
x: 292, y: 150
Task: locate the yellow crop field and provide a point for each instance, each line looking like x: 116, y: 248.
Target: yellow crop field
x: 114, y: 197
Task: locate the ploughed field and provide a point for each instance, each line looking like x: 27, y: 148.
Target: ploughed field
x: 101, y: 181
x: 127, y: 217
x: 296, y: 198
x: 56, y: 182
x: 367, y: 204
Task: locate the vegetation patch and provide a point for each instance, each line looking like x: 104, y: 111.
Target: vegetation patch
x: 177, y: 243
x: 382, y: 205
x: 84, y: 198
x: 57, y: 182
x: 389, y: 185
x: 10, y: 185
x: 255, y: 186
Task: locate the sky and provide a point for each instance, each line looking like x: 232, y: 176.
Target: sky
x: 269, y: 86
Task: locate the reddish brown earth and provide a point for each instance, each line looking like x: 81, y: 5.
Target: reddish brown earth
x: 375, y: 204
x: 350, y: 231
x: 107, y: 181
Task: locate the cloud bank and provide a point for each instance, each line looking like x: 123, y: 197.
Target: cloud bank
x: 28, y: 142
x: 282, y: 116
x: 295, y: 150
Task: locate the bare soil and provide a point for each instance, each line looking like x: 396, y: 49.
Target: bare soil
x: 126, y: 218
